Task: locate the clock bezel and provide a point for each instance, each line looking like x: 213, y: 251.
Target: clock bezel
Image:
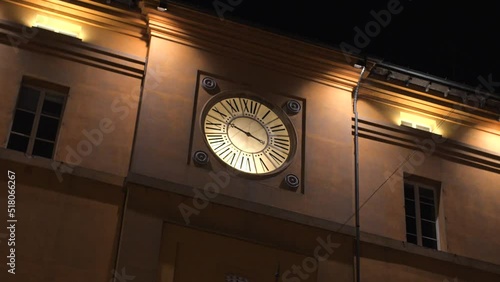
x: 280, y: 113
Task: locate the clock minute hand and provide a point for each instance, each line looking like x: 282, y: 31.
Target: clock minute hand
x: 247, y: 133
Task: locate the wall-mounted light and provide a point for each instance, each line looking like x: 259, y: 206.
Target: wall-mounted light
x: 162, y: 7
x: 417, y: 122
x: 58, y: 26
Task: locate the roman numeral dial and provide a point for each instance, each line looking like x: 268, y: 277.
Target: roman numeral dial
x: 248, y: 134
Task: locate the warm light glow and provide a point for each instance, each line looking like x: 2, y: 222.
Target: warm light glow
x: 58, y: 26
x: 418, y: 122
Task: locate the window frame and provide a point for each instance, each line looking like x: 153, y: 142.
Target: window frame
x: 418, y: 216
x: 44, y: 88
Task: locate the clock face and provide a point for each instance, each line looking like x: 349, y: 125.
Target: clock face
x: 248, y: 134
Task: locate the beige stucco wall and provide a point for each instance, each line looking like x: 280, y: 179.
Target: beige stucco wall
x: 64, y: 231
x: 328, y: 159
x: 468, y: 197
x: 471, y: 198
x: 97, y: 28
x: 96, y: 96
x: 158, y: 244
x: 216, y: 256
x: 380, y: 264
x: 164, y: 131
x: 482, y: 134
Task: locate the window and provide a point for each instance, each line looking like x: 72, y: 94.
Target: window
x: 37, y: 117
x: 421, y: 213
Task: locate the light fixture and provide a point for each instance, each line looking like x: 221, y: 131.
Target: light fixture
x: 162, y: 7
x: 359, y: 65
x: 58, y: 26
x: 417, y: 122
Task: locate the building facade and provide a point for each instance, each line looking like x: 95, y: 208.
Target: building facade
x: 148, y: 145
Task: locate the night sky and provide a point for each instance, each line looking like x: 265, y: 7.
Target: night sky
x: 459, y: 42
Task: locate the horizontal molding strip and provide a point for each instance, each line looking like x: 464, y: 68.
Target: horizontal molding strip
x: 378, y: 88
x: 447, y: 112
x: 258, y: 46
x: 447, y: 149
x: 331, y: 226
x: 92, y: 13
x: 7, y: 155
x: 72, y: 49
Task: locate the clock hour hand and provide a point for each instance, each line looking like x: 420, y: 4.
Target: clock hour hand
x: 261, y: 141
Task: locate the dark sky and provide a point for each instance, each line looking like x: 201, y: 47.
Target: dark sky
x: 458, y: 42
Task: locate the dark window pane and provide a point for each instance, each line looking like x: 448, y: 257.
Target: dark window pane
x: 409, y: 194
x: 424, y: 192
x: 23, y: 122
x: 428, y: 229
x: 43, y: 149
x: 18, y: 142
x: 411, y: 238
x: 52, y: 105
x: 47, y: 128
x: 411, y: 225
x: 410, y: 207
x: 28, y: 99
x: 429, y: 243
x: 426, y: 195
x: 427, y: 211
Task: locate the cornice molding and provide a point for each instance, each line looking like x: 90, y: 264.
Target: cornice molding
x: 199, y: 30
x: 430, y: 145
x: 72, y: 49
x: 430, y: 104
x: 91, y: 13
x: 469, y: 102
x: 7, y: 155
